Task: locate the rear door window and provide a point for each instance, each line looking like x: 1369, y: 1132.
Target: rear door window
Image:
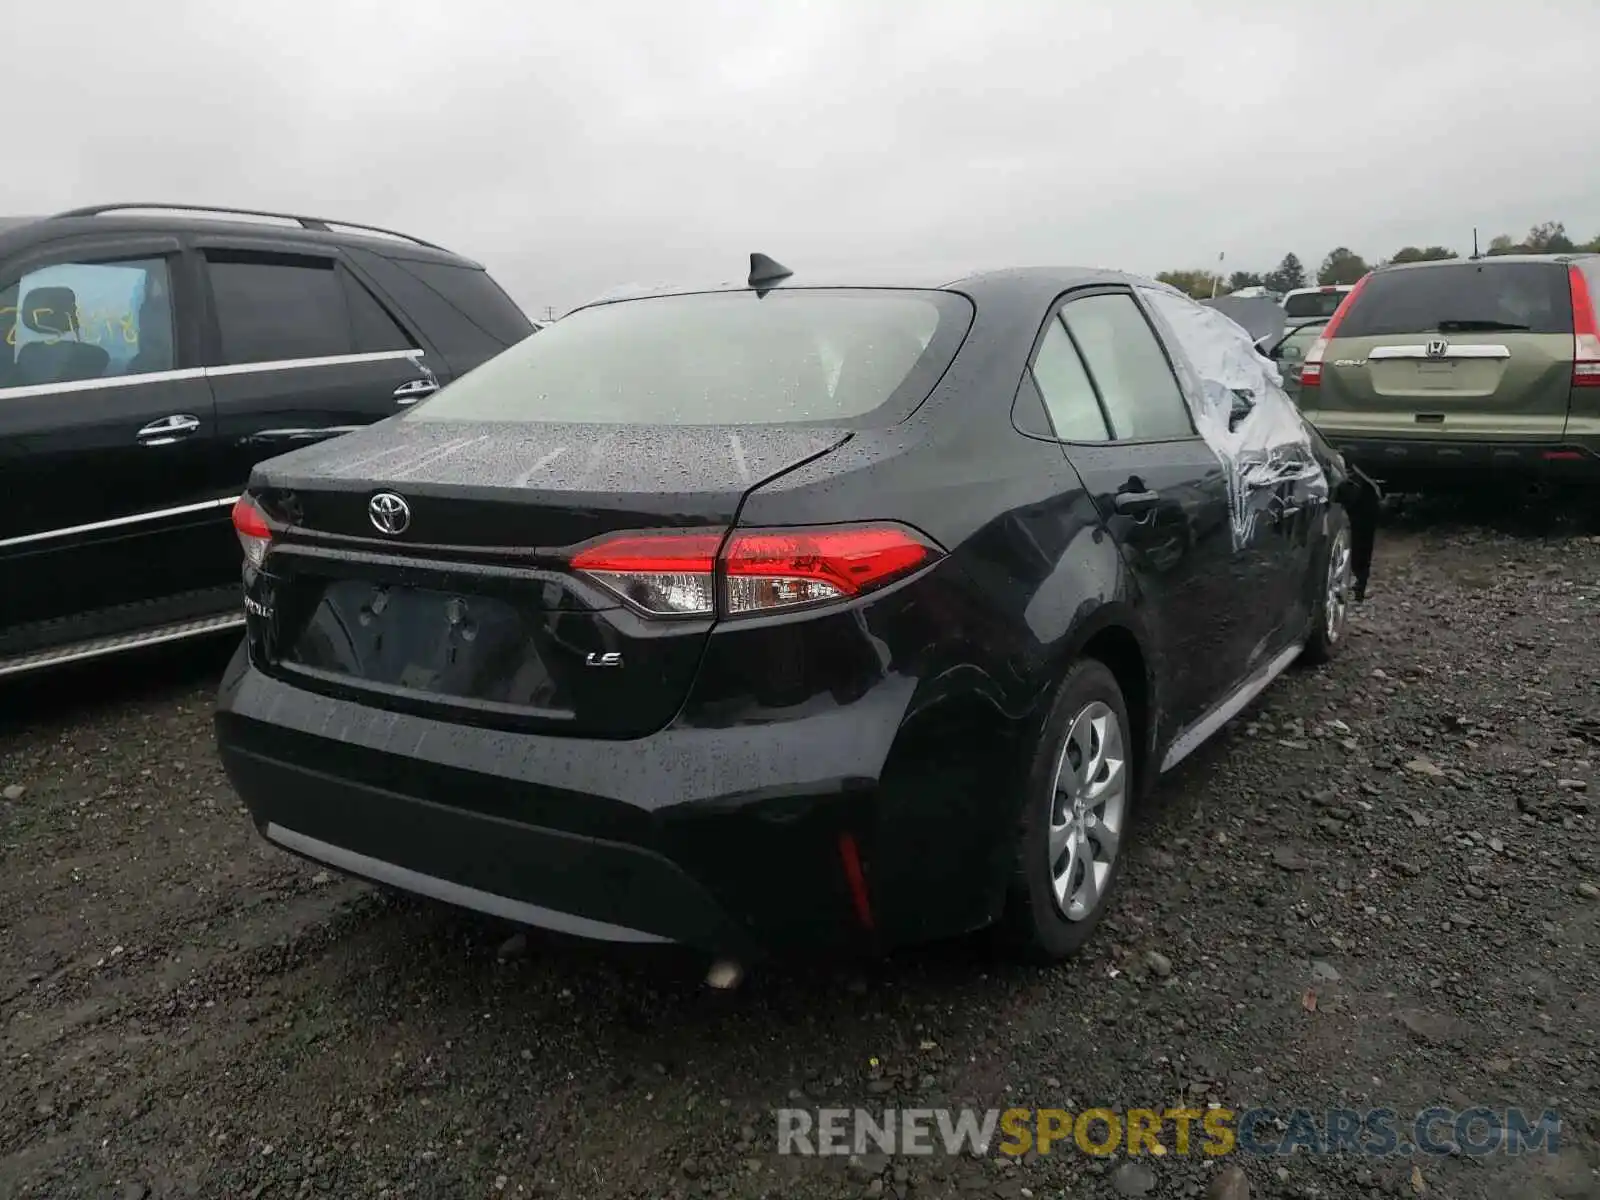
x: 474, y: 295
x: 373, y: 327
x: 1064, y: 387
x: 1129, y: 368
x: 1485, y: 296
x: 1292, y: 349
x: 801, y: 356
x: 278, y: 308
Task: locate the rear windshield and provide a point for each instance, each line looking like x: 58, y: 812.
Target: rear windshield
x: 1312, y: 304
x: 1462, y: 298
x: 721, y: 358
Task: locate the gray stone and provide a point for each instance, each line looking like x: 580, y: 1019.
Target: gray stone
x: 1133, y: 1179
x: 1229, y: 1184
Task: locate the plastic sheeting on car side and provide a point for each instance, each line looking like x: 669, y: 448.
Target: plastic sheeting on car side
x: 1241, y: 410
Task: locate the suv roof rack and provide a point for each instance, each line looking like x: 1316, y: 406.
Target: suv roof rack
x: 320, y: 224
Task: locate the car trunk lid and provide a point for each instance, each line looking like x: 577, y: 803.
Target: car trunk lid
x: 467, y: 607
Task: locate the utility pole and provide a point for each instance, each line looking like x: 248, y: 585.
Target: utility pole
x: 549, y: 312
x: 1216, y: 280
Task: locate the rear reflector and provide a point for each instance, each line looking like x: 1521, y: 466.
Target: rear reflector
x: 1585, y: 332
x: 1311, y: 365
x: 255, y: 535
x: 756, y: 571
x: 856, y: 878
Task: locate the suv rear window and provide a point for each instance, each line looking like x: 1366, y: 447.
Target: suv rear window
x: 1463, y: 297
x: 806, y: 356
x: 1312, y: 304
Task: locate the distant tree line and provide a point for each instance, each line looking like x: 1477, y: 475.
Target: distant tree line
x: 1343, y: 265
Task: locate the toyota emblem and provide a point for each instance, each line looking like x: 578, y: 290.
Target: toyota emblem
x: 389, y: 513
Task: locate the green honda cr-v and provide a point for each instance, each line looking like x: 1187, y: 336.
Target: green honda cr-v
x: 1443, y: 372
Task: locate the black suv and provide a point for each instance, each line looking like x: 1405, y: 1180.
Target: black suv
x: 148, y: 362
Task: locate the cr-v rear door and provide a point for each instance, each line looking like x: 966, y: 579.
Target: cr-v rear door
x: 1476, y: 350
x: 299, y: 350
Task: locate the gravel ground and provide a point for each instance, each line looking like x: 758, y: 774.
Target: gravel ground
x: 1379, y: 887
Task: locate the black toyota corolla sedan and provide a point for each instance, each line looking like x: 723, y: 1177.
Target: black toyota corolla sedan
x: 786, y: 613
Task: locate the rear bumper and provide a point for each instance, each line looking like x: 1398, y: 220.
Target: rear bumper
x: 738, y: 840
x: 1389, y: 458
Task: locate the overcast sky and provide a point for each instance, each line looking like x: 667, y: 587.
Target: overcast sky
x: 576, y: 146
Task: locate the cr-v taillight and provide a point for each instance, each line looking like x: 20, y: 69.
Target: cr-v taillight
x: 681, y: 574
x: 1311, y: 365
x: 1585, y: 332
x: 251, y: 526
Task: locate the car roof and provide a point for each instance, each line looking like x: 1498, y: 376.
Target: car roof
x: 141, y: 218
x: 1016, y: 282
x: 1554, y: 259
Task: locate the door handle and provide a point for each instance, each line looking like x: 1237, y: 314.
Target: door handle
x: 166, y: 430
x: 1136, y: 504
x: 416, y: 389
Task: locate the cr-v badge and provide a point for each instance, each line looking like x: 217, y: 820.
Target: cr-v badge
x: 389, y: 513
x: 609, y: 659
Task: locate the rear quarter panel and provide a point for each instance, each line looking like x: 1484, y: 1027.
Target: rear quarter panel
x: 971, y: 650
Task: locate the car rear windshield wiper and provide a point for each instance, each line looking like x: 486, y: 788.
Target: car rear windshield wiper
x: 1470, y: 326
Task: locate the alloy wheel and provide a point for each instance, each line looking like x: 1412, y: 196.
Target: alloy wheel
x: 1336, y: 604
x: 1089, y: 803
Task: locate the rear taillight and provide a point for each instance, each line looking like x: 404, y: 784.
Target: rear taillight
x: 254, y: 533
x: 698, y: 573
x: 1585, y: 333
x: 670, y: 574
x: 1311, y: 365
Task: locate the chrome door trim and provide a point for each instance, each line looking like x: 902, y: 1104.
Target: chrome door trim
x: 296, y: 364
x: 126, y: 381
x: 89, y: 385
x: 118, y: 522
x: 299, y: 433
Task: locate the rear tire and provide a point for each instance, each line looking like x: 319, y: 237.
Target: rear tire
x: 1075, y: 816
x: 1331, y: 612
